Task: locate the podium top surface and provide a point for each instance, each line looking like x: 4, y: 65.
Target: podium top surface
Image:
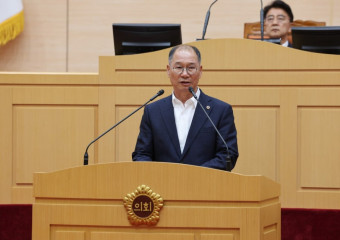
x: 177, y: 182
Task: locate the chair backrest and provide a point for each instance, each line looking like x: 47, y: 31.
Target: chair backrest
x: 253, y: 30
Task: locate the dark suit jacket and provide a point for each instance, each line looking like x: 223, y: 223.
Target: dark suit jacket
x: 158, y: 139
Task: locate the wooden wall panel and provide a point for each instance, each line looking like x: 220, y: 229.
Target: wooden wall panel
x: 257, y: 131
x: 69, y: 36
x: 68, y: 234
x: 286, y: 112
x: 140, y: 236
x: 319, y: 151
x: 107, y: 118
x: 318, y: 117
x: 126, y: 133
x: 219, y: 236
x: 46, y: 138
x: 43, y: 128
x: 6, y: 144
x: 128, y: 100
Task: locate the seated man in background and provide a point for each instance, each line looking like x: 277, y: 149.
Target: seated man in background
x: 277, y: 21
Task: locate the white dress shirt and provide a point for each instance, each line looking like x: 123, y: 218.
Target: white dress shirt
x: 184, y: 114
x: 285, y: 44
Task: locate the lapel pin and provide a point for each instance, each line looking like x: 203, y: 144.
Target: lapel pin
x: 208, y: 107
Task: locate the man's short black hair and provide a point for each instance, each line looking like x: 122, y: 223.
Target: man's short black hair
x: 279, y: 4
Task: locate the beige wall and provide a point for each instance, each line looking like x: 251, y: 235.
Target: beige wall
x: 70, y: 35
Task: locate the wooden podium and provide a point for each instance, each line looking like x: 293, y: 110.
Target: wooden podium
x: 86, y: 203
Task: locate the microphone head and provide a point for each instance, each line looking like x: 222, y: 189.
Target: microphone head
x: 160, y: 92
x: 191, y: 89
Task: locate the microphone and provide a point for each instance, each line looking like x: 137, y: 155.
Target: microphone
x: 86, y: 157
x: 218, y: 132
x: 262, y: 21
x: 207, y: 16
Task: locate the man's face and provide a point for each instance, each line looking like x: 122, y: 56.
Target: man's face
x: 277, y: 24
x: 181, y: 81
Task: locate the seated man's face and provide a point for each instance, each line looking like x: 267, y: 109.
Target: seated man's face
x: 277, y: 24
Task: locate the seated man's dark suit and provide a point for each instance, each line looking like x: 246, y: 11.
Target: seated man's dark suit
x: 158, y: 140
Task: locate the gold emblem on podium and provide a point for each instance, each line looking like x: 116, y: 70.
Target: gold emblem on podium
x: 143, y: 206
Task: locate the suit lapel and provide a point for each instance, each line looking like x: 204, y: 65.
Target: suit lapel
x: 167, y: 112
x: 198, y: 121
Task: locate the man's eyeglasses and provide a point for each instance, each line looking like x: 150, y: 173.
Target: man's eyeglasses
x: 190, y: 70
x: 280, y: 18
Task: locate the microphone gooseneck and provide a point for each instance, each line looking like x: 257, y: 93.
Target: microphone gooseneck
x: 262, y: 21
x: 207, y: 16
x: 86, y: 156
x: 191, y: 90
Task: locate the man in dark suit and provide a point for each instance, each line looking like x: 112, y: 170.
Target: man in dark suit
x: 175, y: 129
x: 278, y: 18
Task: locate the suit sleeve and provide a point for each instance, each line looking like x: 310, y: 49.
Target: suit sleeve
x: 144, y: 146
x: 226, y: 127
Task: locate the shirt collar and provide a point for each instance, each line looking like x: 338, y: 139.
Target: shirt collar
x: 192, y: 99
